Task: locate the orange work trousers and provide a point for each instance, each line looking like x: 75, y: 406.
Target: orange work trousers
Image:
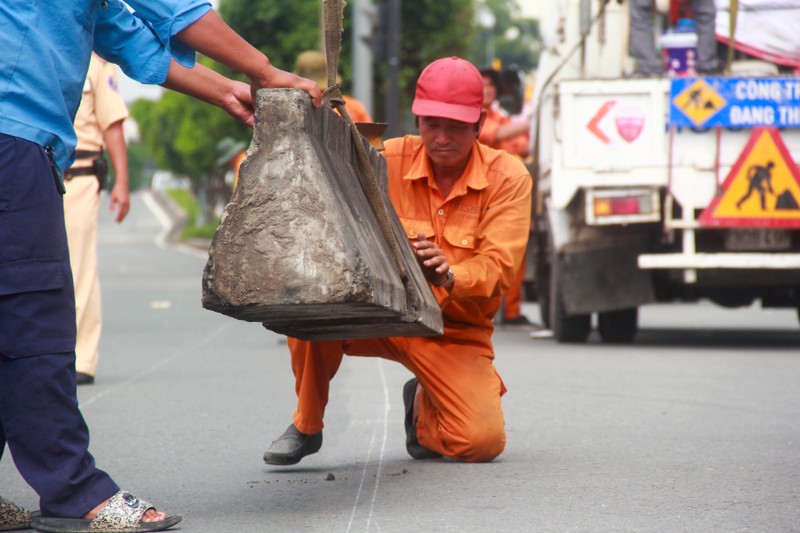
x: 512, y: 301
x: 459, y: 408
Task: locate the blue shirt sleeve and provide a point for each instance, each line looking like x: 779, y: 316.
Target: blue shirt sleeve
x: 124, y: 39
x: 167, y: 18
x: 143, y: 46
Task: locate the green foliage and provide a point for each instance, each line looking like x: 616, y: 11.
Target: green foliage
x: 520, y: 50
x: 181, y: 133
x: 429, y: 30
x: 188, y: 203
x: 140, y: 168
x: 279, y: 28
x: 205, y: 231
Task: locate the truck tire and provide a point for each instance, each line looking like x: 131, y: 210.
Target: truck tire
x: 566, y: 328
x: 570, y: 328
x: 544, y: 309
x: 544, y: 297
x: 543, y: 285
x: 618, y: 327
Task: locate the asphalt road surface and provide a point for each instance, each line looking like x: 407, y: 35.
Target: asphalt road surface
x: 694, y: 427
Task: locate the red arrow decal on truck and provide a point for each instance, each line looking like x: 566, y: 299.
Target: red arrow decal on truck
x: 594, y: 124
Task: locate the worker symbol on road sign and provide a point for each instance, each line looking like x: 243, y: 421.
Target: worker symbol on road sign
x: 759, y: 178
x: 762, y: 188
x: 699, y: 101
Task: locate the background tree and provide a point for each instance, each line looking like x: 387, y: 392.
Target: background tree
x: 182, y: 133
x: 429, y: 29
x: 140, y: 166
x: 278, y: 28
x: 514, y: 38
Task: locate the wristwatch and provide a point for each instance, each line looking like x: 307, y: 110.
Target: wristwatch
x: 449, y: 279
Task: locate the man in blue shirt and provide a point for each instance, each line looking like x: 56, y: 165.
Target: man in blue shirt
x: 46, y: 49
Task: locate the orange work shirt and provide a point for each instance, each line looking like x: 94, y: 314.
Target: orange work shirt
x: 482, y: 227
x: 518, y: 145
x: 356, y: 109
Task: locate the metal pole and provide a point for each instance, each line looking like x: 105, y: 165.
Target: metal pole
x: 393, y: 61
x: 362, y: 53
x: 586, y: 20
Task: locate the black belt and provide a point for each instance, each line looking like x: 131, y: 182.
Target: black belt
x: 86, y: 154
x: 83, y: 171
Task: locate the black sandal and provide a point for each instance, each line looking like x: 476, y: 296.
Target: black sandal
x: 122, y: 514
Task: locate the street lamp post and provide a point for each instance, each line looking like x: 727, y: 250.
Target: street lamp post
x: 486, y: 20
x: 393, y: 71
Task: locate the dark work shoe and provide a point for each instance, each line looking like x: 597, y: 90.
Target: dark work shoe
x: 292, y: 446
x: 84, y: 379
x: 413, y: 447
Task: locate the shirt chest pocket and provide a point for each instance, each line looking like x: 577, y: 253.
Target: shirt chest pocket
x: 460, y: 237
x: 458, y: 242
x: 414, y: 227
x: 461, y: 240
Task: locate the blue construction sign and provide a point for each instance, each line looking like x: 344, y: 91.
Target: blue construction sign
x: 735, y: 102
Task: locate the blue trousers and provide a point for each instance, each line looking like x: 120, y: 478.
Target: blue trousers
x: 39, y: 415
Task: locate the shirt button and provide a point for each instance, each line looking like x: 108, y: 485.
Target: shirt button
x: 464, y: 242
x: 104, y: 4
x: 440, y: 212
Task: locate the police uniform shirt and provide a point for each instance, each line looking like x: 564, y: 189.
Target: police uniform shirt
x: 101, y: 106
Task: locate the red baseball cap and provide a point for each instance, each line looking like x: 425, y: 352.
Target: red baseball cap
x: 450, y: 87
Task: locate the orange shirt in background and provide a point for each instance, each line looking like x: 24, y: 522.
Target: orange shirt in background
x: 356, y: 109
x: 518, y: 145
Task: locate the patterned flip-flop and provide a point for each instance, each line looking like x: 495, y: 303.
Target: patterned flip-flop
x: 122, y: 514
x: 12, y: 516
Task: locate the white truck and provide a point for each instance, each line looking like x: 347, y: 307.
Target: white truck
x: 657, y: 189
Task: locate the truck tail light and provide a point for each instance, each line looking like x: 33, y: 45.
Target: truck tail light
x: 622, y: 206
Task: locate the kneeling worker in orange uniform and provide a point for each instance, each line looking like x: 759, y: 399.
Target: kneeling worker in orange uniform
x: 466, y: 210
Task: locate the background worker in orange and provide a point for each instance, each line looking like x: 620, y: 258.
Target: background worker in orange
x: 466, y: 210
x: 500, y: 132
x: 98, y: 125
x: 231, y: 154
x: 312, y: 64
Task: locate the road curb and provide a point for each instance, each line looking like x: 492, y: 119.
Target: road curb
x: 174, y: 219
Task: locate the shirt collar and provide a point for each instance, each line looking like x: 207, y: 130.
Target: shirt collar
x: 474, y: 176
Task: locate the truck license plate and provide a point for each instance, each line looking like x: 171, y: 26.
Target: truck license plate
x: 739, y: 240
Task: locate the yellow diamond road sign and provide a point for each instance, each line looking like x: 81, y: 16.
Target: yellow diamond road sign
x: 762, y: 188
x: 699, y: 101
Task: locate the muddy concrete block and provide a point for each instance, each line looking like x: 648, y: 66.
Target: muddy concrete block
x: 299, y: 248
